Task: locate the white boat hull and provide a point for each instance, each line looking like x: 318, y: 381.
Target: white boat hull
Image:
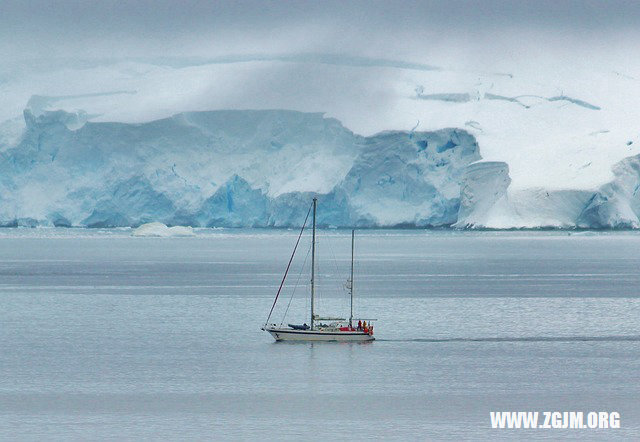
x: 287, y: 334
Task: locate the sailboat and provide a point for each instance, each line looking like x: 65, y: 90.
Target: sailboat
x: 321, y: 328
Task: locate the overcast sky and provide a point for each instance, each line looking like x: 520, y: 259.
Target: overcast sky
x: 420, y: 31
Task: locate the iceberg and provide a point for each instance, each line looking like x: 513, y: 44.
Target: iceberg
x: 161, y: 230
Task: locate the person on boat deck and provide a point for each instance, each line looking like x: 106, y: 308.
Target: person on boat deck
x: 359, y: 325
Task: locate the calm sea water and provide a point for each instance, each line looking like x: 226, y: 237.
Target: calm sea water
x: 107, y: 336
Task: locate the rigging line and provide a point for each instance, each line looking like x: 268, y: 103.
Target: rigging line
x: 288, y: 265
x: 296, y: 286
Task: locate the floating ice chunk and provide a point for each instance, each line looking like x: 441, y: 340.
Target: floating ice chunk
x: 161, y: 230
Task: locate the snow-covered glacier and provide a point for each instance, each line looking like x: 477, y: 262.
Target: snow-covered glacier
x: 231, y: 169
x: 433, y: 140
x: 260, y: 168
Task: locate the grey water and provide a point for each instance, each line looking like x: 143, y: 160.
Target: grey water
x: 108, y: 336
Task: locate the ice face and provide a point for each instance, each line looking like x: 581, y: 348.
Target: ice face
x: 234, y: 204
x: 261, y: 169
x: 487, y: 201
x: 230, y: 169
x: 616, y: 204
x: 483, y: 194
x: 410, y: 178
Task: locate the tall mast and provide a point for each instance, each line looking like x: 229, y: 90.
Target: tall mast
x: 353, y: 234
x: 313, y: 260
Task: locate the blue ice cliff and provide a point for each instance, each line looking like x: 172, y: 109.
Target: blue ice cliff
x: 231, y: 169
x: 260, y: 169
